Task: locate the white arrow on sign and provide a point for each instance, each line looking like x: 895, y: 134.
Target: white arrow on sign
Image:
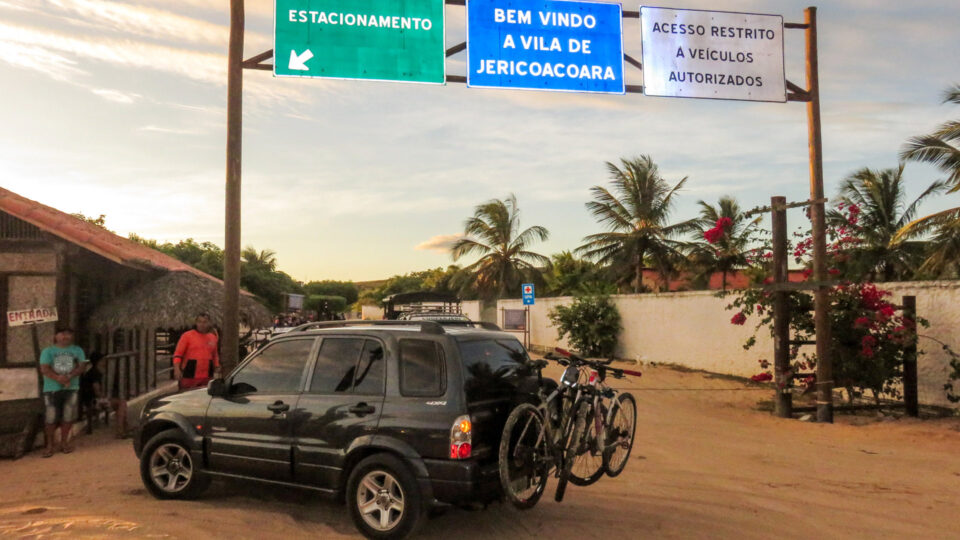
x: 297, y: 61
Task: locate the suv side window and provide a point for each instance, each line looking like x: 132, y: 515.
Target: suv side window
x: 276, y: 370
x: 370, y: 369
x: 421, y: 368
x: 336, y: 365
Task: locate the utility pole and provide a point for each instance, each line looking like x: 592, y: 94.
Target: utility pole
x: 783, y: 375
x: 230, y: 332
x: 820, y: 296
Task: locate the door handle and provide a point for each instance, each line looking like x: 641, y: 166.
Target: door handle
x: 361, y: 409
x: 278, y: 407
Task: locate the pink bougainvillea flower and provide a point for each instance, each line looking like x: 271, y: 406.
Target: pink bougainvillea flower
x: 724, y: 223
x: 861, y: 321
x: 833, y: 272
x: 713, y: 235
x: 762, y: 377
x: 738, y: 319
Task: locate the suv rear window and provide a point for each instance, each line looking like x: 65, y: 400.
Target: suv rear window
x: 421, y: 368
x: 491, y: 367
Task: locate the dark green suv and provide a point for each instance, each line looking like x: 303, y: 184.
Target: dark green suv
x: 394, y: 417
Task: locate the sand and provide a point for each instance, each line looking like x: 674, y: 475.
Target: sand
x: 706, y: 464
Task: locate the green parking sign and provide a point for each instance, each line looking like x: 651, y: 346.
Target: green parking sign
x: 387, y: 40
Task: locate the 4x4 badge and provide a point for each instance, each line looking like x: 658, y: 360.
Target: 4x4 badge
x: 437, y: 403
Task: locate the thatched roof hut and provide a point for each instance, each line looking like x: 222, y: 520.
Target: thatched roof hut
x: 173, y: 301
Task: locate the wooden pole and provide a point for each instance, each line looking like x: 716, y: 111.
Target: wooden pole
x: 821, y: 295
x: 910, y: 392
x: 783, y: 375
x: 230, y: 331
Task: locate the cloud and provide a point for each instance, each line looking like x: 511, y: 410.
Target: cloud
x: 172, y: 131
x: 46, y: 51
x: 40, y: 59
x: 115, y: 96
x: 149, y: 22
x: 440, y: 243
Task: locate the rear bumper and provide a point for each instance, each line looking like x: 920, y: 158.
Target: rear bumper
x: 463, y: 482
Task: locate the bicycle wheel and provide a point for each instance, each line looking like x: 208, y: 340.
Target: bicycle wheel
x: 588, y: 464
x: 570, y: 453
x: 620, y: 432
x: 522, y: 458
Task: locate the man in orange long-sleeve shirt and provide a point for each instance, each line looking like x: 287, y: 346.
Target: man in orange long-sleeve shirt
x: 197, y: 358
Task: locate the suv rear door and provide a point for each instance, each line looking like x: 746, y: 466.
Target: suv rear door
x: 250, y: 429
x: 419, y: 411
x: 495, y: 379
x: 342, y: 402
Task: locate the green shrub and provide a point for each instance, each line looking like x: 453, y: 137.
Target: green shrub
x: 592, y: 324
x: 325, y: 304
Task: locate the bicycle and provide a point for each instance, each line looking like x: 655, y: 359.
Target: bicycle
x: 538, y: 438
x: 608, y: 440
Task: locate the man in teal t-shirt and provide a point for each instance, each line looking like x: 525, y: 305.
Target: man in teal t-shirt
x: 61, y: 366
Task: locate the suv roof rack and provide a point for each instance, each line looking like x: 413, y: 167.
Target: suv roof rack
x: 427, y: 327
x: 476, y: 324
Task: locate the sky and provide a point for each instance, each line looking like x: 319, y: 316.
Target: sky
x: 118, y: 107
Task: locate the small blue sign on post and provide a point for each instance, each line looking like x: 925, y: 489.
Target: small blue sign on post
x: 528, y: 294
x: 555, y: 45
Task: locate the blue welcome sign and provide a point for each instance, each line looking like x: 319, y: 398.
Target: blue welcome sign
x: 545, y: 45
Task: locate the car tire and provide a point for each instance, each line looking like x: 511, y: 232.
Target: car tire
x: 168, y: 469
x: 384, y: 498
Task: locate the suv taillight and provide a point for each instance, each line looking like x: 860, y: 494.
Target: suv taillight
x: 461, y: 437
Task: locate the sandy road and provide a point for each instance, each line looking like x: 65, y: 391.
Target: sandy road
x: 706, y: 465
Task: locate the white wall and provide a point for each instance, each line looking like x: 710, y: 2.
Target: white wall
x: 18, y: 383
x: 693, y: 329
x: 371, y: 313
x: 471, y: 308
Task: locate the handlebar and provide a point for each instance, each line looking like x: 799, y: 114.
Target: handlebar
x: 566, y: 358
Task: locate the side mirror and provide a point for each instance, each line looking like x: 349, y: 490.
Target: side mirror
x: 217, y: 388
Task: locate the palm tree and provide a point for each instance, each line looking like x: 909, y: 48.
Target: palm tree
x: 636, y: 212
x: 505, y: 260
x: 942, y: 149
x: 944, y: 252
x: 730, y: 252
x: 265, y: 259
x: 884, y: 250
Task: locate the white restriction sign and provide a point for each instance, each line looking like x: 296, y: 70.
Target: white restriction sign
x: 712, y: 54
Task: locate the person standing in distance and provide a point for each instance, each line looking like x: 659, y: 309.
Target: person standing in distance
x: 197, y: 357
x: 61, y: 365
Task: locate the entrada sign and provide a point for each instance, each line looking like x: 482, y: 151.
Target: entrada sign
x: 545, y: 45
x: 22, y: 317
x: 712, y: 54
x: 389, y: 40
